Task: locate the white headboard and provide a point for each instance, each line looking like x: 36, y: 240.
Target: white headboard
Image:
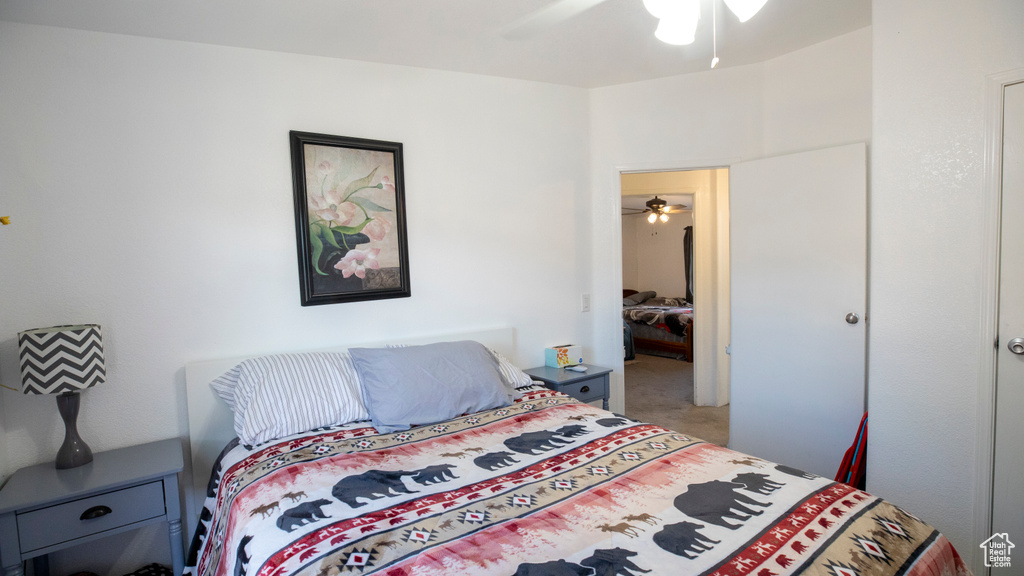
x: 211, y: 424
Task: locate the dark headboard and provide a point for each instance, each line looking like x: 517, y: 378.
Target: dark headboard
x: 626, y: 292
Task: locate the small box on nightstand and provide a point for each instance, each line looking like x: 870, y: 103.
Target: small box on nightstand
x: 566, y: 355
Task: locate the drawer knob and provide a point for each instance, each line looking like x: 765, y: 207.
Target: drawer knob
x: 95, y: 512
x: 585, y: 389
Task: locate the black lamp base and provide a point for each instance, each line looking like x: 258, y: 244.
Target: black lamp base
x: 74, y: 451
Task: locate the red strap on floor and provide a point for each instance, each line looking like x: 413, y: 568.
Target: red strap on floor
x: 853, y: 470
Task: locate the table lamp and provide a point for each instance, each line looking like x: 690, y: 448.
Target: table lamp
x: 63, y: 360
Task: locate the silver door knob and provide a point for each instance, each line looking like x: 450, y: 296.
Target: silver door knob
x: 1016, y: 345
x: 852, y: 318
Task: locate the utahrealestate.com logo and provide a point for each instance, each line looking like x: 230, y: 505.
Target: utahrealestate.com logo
x: 997, y: 550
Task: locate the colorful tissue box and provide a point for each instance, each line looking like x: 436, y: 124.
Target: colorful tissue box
x: 559, y: 356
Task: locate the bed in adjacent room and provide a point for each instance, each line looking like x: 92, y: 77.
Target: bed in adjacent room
x: 536, y: 484
x: 659, y: 324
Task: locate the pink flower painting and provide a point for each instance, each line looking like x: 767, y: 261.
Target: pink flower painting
x: 349, y: 198
x: 357, y: 261
x: 377, y: 229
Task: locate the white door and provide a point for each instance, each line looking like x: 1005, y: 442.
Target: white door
x: 798, y: 236
x: 1008, y: 475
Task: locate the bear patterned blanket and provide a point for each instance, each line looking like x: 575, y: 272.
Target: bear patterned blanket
x: 547, y: 486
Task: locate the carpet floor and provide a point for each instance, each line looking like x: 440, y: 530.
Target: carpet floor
x: 660, y: 391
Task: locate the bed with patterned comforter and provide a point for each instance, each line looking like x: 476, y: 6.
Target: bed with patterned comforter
x: 671, y: 314
x: 546, y: 486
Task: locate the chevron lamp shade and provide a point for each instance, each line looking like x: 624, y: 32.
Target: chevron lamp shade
x: 61, y: 359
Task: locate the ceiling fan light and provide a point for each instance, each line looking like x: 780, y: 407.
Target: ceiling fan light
x: 664, y: 8
x: 664, y: 217
x: 652, y: 217
x: 680, y: 28
x: 744, y: 9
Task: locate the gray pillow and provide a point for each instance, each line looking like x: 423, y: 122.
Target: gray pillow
x: 426, y: 384
x: 629, y: 302
x: 641, y: 297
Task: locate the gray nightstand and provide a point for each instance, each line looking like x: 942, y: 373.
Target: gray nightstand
x: 43, y: 509
x: 583, y: 386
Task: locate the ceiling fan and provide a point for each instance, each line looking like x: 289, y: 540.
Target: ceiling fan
x: 658, y: 208
x: 670, y: 10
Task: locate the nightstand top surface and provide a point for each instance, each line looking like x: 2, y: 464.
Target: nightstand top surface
x: 563, y: 376
x: 43, y: 483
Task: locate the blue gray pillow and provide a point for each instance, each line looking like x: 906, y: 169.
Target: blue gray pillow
x: 413, y: 385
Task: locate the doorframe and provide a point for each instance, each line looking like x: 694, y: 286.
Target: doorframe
x: 989, y: 329
x: 707, y: 390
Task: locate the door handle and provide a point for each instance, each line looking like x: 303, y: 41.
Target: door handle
x: 852, y: 318
x: 1016, y: 345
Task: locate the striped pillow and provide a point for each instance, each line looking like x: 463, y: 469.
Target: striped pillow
x: 511, y: 374
x: 275, y: 396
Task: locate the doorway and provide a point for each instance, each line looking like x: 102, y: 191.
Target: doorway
x: 678, y: 267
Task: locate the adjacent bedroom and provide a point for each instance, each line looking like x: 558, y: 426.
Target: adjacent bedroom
x: 659, y: 278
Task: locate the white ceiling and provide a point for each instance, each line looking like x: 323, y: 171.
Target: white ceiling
x: 610, y: 43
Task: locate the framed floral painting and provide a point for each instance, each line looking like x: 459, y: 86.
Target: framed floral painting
x: 349, y: 218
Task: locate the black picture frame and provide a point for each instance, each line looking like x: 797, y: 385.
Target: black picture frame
x: 349, y: 218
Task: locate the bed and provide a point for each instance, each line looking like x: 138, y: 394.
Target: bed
x: 659, y: 324
x: 542, y: 486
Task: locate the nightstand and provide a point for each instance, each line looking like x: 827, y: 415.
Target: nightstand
x: 43, y: 509
x: 583, y: 386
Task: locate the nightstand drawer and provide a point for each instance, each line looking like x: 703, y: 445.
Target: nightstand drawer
x: 63, y: 522
x: 583, y: 386
x: 586, y: 390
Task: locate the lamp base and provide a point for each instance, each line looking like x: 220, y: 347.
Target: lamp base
x: 74, y: 451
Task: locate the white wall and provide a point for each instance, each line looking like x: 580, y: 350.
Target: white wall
x: 149, y: 188
x: 630, y: 267
x: 656, y: 252
x: 711, y: 119
x: 928, y: 223
x: 819, y: 96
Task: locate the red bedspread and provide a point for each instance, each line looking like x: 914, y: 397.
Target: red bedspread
x: 546, y: 486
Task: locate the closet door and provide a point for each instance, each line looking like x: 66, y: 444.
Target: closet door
x: 1008, y: 475
x: 798, y: 237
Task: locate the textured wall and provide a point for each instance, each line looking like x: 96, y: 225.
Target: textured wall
x: 819, y: 94
x: 149, y: 186
x: 927, y: 249
x: 630, y: 269
x: 710, y: 119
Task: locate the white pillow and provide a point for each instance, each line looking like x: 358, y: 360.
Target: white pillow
x: 275, y: 396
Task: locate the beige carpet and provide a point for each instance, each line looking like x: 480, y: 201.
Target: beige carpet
x: 660, y: 391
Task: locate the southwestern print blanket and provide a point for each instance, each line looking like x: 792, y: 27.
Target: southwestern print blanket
x: 547, y: 486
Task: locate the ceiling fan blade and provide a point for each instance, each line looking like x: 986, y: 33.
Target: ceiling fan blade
x: 675, y: 208
x: 540, y: 20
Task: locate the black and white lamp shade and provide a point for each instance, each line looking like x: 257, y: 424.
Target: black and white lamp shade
x: 61, y: 359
